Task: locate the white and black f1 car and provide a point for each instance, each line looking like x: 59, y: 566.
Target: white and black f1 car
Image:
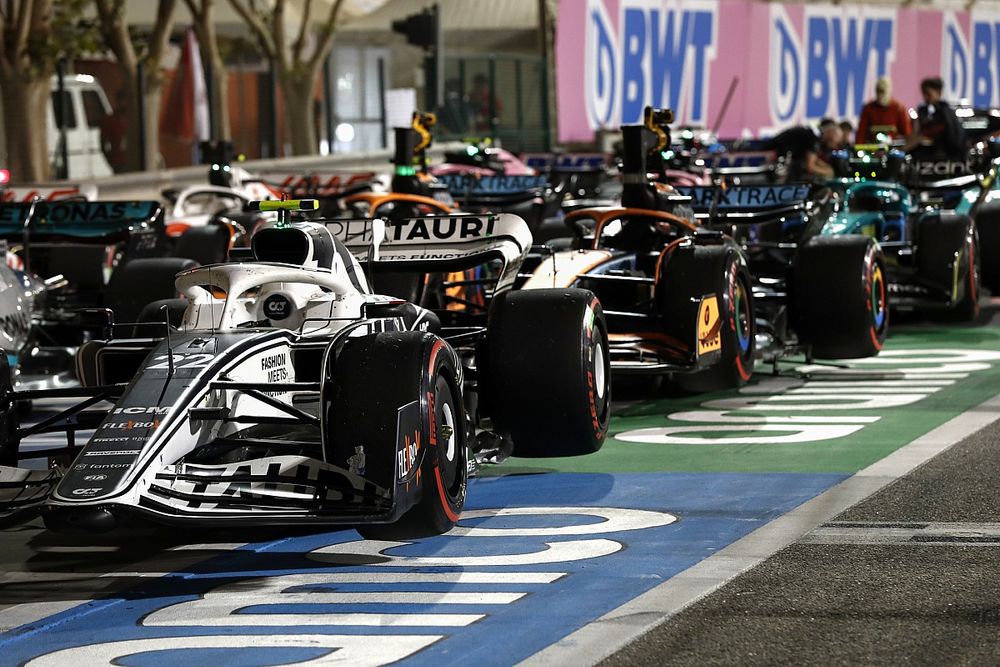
x: 291, y: 393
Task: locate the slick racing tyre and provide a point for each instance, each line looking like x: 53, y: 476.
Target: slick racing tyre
x: 942, y: 241
x: 988, y: 228
x: 378, y: 382
x: 547, y: 373
x: 687, y: 275
x: 839, y: 297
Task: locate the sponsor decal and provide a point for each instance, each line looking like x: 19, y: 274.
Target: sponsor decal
x: 943, y: 168
x: 95, y: 478
x: 655, y: 54
x: 130, y: 424
x: 277, y: 307
x: 408, y: 439
x: 745, y: 196
x: 441, y: 229
x: 322, y: 185
x: 141, y: 410
x: 275, y: 366
x: 469, y: 184
x: 709, y: 326
x: 87, y: 491
x: 114, y: 452
x: 101, y: 466
x: 583, y: 161
x: 827, y: 64
x: 970, y: 60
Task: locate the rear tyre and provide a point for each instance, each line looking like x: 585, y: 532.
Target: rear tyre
x: 839, y: 301
x: 942, y: 241
x: 546, y: 380
x: 373, y: 378
x: 697, y: 272
x: 988, y: 228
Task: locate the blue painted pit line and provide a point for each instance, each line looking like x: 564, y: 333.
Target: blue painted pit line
x: 538, y: 557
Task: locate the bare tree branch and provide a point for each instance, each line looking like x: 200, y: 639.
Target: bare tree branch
x: 255, y: 23
x: 24, y: 21
x: 161, y: 31
x: 325, y: 37
x: 278, y: 31
x: 300, y: 41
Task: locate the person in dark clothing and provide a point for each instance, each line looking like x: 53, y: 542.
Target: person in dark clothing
x: 807, y: 150
x: 938, y: 134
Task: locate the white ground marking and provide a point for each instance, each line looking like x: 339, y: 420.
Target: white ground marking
x: 614, y: 630
x: 354, y: 650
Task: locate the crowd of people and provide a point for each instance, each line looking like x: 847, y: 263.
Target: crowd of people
x: 933, y: 133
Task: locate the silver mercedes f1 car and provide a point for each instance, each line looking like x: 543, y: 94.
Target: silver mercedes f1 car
x: 290, y: 393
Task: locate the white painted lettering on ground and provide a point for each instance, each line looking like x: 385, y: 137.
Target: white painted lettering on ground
x: 269, y: 601
x: 893, y: 379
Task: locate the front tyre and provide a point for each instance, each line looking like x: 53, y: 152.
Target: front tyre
x: 373, y: 379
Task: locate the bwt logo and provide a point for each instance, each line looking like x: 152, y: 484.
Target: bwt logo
x: 830, y: 67
x: 971, y: 67
x: 659, y: 55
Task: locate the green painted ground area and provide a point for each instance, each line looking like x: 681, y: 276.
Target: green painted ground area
x: 924, y: 377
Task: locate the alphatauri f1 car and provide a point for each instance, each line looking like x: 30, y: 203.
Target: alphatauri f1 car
x: 291, y: 393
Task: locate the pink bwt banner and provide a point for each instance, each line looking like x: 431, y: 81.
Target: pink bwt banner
x: 745, y: 67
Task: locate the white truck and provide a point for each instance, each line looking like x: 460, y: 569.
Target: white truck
x: 86, y: 107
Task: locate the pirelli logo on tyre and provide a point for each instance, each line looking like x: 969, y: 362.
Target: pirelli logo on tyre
x: 709, y: 325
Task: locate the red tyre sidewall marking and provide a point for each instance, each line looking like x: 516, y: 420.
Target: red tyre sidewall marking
x: 595, y: 421
x: 432, y: 436
x: 743, y: 373
x: 870, y: 267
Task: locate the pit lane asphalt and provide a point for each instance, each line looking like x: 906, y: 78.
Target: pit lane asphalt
x: 909, y: 576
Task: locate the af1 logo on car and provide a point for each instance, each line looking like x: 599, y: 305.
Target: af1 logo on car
x: 277, y: 307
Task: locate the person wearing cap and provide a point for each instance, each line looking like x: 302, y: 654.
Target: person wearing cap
x: 938, y: 134
x: 883, y: 116
x: 804, y: 147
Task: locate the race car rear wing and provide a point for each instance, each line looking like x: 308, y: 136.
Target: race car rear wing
x: 97, y: 222
x: 464, y: 186
x: 747, y: 203
x: 438, y: 243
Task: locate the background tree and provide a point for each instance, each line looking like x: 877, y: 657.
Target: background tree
x: 298, y: 67
x: 130, y: 52
x: 203, y: 12
x: 34, y: 35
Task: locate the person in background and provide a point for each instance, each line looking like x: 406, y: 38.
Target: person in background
x: 480, y: 99
x: 884, y: 118
x: 456, y: 113
x: 938, y: 134
x: 847, y: 130
x: 804, y: 148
